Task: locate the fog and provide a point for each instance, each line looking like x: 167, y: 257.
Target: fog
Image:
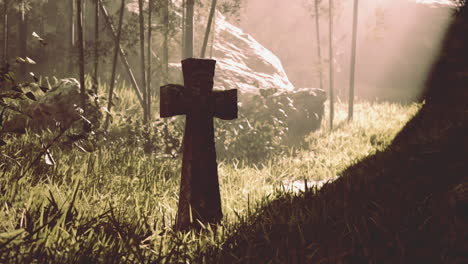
x: 397, y: 42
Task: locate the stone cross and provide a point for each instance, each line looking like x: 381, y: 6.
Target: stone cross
x: 199, y: 198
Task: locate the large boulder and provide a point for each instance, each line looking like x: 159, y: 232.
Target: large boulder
x: 265, y: 92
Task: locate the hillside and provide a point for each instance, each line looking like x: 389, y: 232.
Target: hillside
x: 406, y: 204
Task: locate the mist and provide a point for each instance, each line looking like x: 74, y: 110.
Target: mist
x: 397, y: 42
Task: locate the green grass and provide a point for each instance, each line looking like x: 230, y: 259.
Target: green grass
x: 118, y: 204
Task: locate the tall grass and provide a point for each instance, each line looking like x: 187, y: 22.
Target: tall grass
x: 118, y: 204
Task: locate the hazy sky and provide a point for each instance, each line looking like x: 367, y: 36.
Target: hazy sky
x: 397, y: 41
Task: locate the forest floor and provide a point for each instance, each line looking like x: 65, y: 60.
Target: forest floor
x: 117, y: 204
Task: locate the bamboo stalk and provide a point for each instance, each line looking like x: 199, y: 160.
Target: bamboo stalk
x: 353, y: 63
x: 114, y: 64
x: 122, y: 54
x: 208, y: 28
x: 79, y: 13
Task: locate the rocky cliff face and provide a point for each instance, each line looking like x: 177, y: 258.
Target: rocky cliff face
x: 242, y: 62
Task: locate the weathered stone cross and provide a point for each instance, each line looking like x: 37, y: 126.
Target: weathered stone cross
x: 199, y: 198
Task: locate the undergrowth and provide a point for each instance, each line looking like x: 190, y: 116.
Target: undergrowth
x: 117, y: 204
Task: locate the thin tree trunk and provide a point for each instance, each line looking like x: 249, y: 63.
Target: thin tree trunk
x: 117, y: 48
x: 79, y: 14
x: 96, y: 46
x: 166, y: 42
x: 122, y: 54
x: 332, y: 97
x: 319, y: 53
x: 5, y: 32
x: 353, y: 62
x: 183, y: 29
x: 189, y: 29
x: 71, y: 30
x: 142, y: 61
x: 208, y: 28
x: 148, y: 74
x: 213, y: 35
x: 23, y: 38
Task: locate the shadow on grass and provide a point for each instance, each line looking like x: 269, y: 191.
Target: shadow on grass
x: 406, y: 204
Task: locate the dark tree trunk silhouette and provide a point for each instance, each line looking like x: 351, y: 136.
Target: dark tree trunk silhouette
x: 148, y: 74
x: 79, y: 16
x: 142, y: 61
x: 122, y: 54
x: 96, y: 46
x: 23, y: 38
x: 182, y: 43
x: 117, y: 48
x: 353, y: 62
x: 189, y: 29
x: 319, y: 53
x: 213, y: 35
x: 208, y: 28
x: 71, y: 31
x: 5, y: 31
x: 166, y: 42
x: 332, y: 96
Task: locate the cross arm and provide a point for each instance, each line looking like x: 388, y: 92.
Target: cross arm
x: 173, y: 100
x: 225, y: 106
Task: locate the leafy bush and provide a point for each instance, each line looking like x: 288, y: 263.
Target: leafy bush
x: 258, y: 132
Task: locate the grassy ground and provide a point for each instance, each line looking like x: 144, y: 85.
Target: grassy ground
x: 117, y: 204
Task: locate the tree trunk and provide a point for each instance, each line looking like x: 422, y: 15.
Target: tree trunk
x: 213, y: 35
x: 189, y: 29
x: 79, y: 14
x: 71, y: 40
x: 23, y: 39
x: 117, y: 48
x: 319, y: 53
x: 332, y: 96
x: 142, y: 61
x: 182, y: 44
x: 122, y: 53
x: 148, y: 74
x: 5, y: 32
x: 166, y: 42
x: 96, y: 46
x: 353, y: 62
x: 208, y: 28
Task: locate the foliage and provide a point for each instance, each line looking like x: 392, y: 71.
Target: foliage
x: 118, y: 203
x: 259, y: 131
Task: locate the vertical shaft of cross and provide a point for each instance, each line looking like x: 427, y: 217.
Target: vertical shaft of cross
x: 199, y: 194
x: 199, y: 198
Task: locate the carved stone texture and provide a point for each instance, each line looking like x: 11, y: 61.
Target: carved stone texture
x: 199, y: 198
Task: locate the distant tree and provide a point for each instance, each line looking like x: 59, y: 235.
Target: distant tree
x: 208, y: 28
x: 117, y: 49
x: 213, y: 35
x: 317, y: 31
x: 22, y: 36
x: 96, y: 45
x: 188, y: 46
x: 142, y: 61
x: 353, y: 61
x: 182, y: 42
x: 5, y: 31
x: 79, y: 16
x: 71, y: 33
x: 148, y: 73
x: 166, y: 41
x: 332, y: 99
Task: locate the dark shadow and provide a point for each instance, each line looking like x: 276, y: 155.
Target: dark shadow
x: 403, y: 205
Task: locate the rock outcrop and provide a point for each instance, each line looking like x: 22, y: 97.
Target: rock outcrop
x: 244, y: 64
